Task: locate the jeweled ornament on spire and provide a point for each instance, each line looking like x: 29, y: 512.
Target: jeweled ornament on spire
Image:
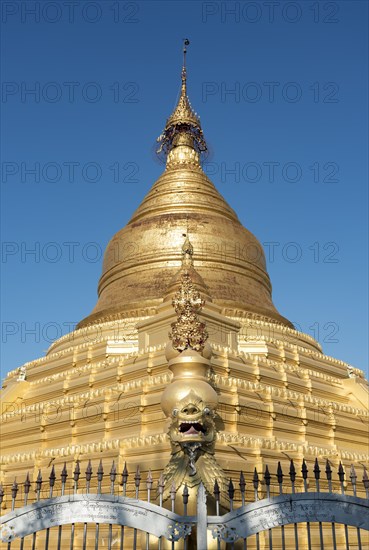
x: 183, y: 126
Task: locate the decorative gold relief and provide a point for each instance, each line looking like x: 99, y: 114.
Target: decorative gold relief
x: 188, y: 331
x: 190, y: 400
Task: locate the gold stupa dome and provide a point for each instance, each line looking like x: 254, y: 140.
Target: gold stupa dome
x: 142, y: 259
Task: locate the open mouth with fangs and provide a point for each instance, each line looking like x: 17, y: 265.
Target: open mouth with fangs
x: 191, y: 428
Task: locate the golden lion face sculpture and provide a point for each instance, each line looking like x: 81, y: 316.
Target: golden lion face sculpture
x: 192, y: 422
x: 192, y: 433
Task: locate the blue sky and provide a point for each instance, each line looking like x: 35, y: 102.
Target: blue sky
x: 282, y: 93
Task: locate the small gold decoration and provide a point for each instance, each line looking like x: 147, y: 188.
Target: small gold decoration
x: 22, y: 374
x: 188, y: 331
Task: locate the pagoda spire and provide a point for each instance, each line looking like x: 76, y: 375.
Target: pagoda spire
x: 183, y: 126
x: 186, y: 43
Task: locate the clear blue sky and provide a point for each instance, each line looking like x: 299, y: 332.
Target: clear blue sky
x: 106, y: 76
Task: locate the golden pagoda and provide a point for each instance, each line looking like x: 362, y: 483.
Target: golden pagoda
x: 184, y: 366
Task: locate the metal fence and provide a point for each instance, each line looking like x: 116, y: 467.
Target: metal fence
x: 264, y: 511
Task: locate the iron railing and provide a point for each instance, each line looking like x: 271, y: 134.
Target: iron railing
x: 265, y: 511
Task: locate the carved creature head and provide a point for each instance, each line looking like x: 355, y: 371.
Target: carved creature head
x: 192, y: 421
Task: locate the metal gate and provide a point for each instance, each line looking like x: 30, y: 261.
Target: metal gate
x: 265, y: 513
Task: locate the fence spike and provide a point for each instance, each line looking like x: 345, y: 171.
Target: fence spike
x: 185, y: 494
x: 242, y: 482
x: 124, y: 480
x: 161, y: 484
x: 137, y: 477
x: 113, y: 475
x: 100, y: 471
x: 113, y: 472
x: 38, y: 483
x: 100, y: 475
x: 1, y: 493
x: 149, y: 481
x: 64, y: 474
x: 14, y: 489
x: 124, y: 474
x: 267, y: 476
x: 341, y: 473
x: 89, y: 471
x: 365, y: 478
x: 304, y: 469
x: 76, y: 475
x: 77, y: 471
x: 27, y: 484
x: 26, y: 487
x: 353, y: 478
x: 328, y: 473
x: 316, y: 469
x: 353, y: 475
x: 255, y: 480
x: 328, y: 470
x: 366, y: 482
x: 231, y: 493
x: 292, y: 471
x: 52, y: 477
x: 14, y: 492
x: 279, y: 473
x: 231, y: 489
x: 88, y: 475
x: 216, y: 491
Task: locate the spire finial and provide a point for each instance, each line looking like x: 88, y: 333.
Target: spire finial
x: 183, y: 125
x: 186, y: 43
